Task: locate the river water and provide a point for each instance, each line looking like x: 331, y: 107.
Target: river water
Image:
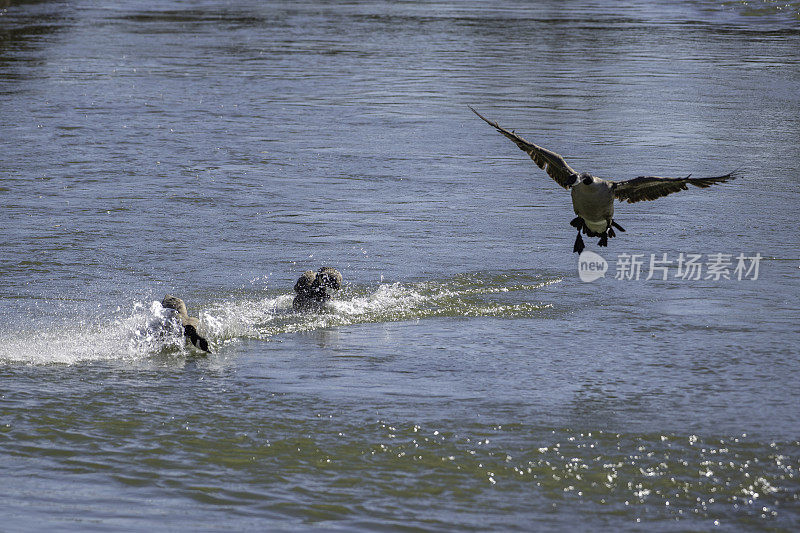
x: 466, y: 378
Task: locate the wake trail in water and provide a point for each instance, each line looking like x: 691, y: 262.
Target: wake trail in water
x: 146, y: 330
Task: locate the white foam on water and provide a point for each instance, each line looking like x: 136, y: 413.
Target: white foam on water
x: 143, y: 330
x: 389, y: 300
x: 146, y: 329
x: 233, y: 318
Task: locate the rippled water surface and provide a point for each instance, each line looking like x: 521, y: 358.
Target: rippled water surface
x: 465, y: 378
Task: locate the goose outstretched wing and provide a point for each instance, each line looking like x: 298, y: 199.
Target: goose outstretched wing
x: 550, y: 162
x: 652, y: 187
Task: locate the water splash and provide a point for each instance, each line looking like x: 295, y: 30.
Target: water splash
x: 472, y: 295
x: 145, y: 329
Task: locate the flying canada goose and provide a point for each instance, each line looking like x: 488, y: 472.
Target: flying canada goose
x: 189, y: 323
x: 315, y: 288
x: 593, y: 197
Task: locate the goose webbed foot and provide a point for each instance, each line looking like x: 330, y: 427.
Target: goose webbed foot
x: 617, y: 226
x: 577, y: 223
x: 603, y: 240
x: 579, y: 246
x: 610, y: 232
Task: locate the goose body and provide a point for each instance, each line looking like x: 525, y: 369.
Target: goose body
x: 594, y: 203
x: 190, y: 324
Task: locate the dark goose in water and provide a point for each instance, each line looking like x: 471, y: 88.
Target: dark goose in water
x: 313, y: 289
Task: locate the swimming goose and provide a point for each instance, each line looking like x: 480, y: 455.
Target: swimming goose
x: 593, y: 197
x: 189, y: 323
x: 315, y: 288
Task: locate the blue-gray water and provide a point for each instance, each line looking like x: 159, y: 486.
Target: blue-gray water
x: 466, y: 378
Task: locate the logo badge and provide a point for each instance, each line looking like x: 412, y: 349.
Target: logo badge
x: 591, y: 266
